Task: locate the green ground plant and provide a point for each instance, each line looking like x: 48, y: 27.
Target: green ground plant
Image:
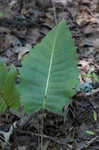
x: 49, y: 73
x: 9, y: 95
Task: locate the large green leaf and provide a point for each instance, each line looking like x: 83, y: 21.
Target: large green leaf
x: 9, y: 96
x: 50, y: 72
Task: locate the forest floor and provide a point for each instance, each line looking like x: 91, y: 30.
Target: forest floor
x: 23, y: 23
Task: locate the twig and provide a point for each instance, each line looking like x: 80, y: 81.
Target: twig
x: 86, y: 144
x: 54, y: 11
x: 54, y: 139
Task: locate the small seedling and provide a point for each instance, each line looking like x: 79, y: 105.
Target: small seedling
x: 95, y: 115
x: 90, y: 132
x: 92, y: 75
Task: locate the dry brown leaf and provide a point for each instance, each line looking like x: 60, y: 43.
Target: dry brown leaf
x: 83, y: 17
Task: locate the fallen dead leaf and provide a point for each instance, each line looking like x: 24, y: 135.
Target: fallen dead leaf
x: 83, y: 17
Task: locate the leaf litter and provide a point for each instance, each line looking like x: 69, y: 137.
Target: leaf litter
x: 25, y: 23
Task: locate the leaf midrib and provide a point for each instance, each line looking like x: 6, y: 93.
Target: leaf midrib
x: 50, y: 66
